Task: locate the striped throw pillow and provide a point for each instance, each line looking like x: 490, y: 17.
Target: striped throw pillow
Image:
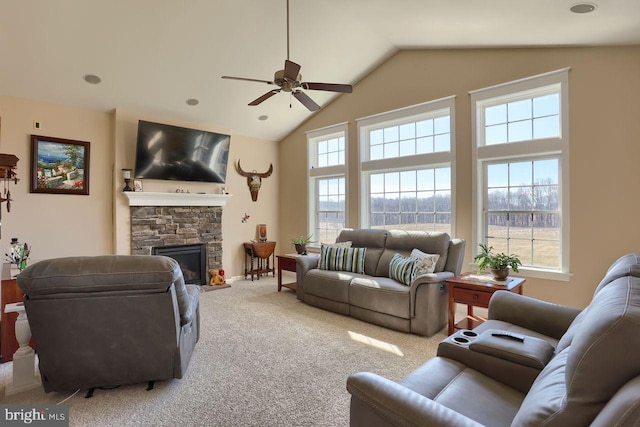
x: 342, y: 259
x: 401, y: 268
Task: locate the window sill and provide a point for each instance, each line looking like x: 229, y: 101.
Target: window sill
x: 538, y: 273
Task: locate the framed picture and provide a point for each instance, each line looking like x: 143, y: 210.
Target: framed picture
x: 137, y: 185
x: 59, y: 166
x: 262, y: 232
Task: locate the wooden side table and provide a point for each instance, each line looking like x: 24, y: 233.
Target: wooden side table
x: 475, y: 290
x: 262, y: 259
x: 286, y: 262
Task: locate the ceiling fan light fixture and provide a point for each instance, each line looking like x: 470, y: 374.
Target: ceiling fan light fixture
x: 583, y: 7
x: 289, y: 80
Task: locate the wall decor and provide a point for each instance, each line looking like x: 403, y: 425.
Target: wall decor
x: 254, y: 179
x: 59, y: 166
x: 262, y: 232
x: 137, y: 185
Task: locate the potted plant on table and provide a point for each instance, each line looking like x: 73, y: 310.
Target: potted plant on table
x: 300, y: 243
x: 498, y: 263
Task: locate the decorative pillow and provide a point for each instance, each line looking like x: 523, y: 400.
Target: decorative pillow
x: 426, y: 262
x: 401, y: 268
x: 339, y: 258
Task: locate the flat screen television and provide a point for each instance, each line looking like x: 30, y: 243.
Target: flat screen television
x: 180, y: 154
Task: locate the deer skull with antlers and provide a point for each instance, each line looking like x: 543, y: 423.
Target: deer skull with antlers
x: 254, y: 179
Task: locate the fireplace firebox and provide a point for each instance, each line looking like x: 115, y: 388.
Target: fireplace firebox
x: 191, y: 258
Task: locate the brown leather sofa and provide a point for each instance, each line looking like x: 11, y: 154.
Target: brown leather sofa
x: 420, y: 308
x: 110, y: 320
x: 571, y: 368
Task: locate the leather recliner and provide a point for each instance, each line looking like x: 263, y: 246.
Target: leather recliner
x: 111, y: 320
x: 565, y: 368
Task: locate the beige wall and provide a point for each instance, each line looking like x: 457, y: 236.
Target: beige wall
x: 57, y: 225
x: 604, y: 85
x: 68, y: 225
x: 253, y: 153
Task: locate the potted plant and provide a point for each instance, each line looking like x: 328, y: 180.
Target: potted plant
x: 498, y: 263
x: 300, y: 243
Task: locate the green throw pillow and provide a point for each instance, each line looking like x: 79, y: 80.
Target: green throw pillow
x: 401, y: 268
x: 342, y: 259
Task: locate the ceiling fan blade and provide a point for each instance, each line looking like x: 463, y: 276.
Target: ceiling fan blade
x: 248, y: 80
x: 331, y: 87
x: 264, y: 97
x: 291, y: 70
x: 306, y: 101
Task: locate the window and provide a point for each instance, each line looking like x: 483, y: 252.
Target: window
x: 327, y: 182
x: 521, y: 172
x: 407, y: 168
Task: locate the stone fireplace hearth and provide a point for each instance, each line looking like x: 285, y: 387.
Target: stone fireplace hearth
x: 168, y: 219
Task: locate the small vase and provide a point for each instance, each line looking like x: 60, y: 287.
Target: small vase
x: 301, y: 248
x: 500, y: 273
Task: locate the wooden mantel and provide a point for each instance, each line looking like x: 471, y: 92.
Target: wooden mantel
x: 146, y: 198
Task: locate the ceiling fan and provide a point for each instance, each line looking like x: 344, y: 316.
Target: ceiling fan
x: 289, y: 80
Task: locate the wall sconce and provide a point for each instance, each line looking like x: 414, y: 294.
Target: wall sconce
x: 126, y: 174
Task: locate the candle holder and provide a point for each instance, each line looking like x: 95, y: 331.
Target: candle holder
x: 126, y: 174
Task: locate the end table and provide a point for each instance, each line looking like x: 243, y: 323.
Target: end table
x: 286, y: 262
x: 475, y: 290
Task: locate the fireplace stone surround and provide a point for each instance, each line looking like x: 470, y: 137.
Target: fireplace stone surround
x: 170, y: 219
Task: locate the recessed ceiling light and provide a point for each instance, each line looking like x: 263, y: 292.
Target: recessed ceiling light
x: 263, y: 118
x: 92, y: 79
x: 192, y: 101
x: 583, y: 8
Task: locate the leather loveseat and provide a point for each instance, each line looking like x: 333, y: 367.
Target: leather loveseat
x: 418, y: 307
x: 565, y: 367
x: 110, y: 320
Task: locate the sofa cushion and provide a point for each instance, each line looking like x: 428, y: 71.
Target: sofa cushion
x: 104, y: 273
x: 372, y: 239
x: 332, y: 285
x: 404, y: 241
x: 401, y: 268
x: 546, y: 396
x: 381, y: 294
x: 466, y: 391
x: 340, y: 258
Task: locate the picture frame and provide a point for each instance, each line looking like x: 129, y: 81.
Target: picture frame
x: 137, y: 186
x: 59, y: 166
x: 262, y: 232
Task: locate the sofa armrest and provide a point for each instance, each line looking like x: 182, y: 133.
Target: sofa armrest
x: 524, y: 350
x: 431, y: 278
x: 304, y: 263
x: 189, y: 308
x: 382, y: 402
x: 543, y: 317
x: 436, y: 279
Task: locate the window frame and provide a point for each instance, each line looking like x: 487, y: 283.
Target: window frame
x: 533, y: 149
x: 432, y: 160
x: 315, y: 173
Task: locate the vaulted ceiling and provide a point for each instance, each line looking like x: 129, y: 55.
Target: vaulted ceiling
x: 154, y: 55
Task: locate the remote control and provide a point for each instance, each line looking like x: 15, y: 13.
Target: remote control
x: 508, y: 335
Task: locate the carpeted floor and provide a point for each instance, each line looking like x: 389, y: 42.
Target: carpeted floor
x: 263, y: 359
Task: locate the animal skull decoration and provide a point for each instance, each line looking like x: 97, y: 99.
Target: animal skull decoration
x: 254, y: 179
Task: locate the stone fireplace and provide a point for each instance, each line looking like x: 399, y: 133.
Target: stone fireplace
x: 173, y: 219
